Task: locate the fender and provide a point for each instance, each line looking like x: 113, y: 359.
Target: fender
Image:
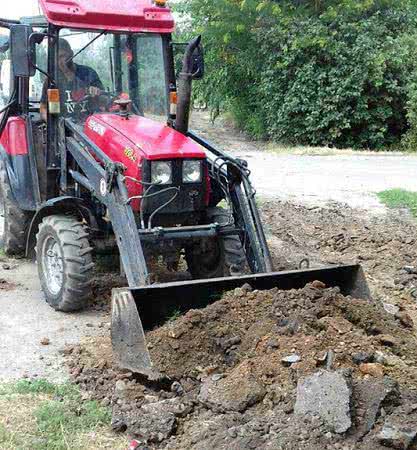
x: 58, y: 205
x: 17, y: 167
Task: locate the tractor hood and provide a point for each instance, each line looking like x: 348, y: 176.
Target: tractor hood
x: 152, y: 140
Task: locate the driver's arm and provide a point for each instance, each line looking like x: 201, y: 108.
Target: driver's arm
x: 95, y: 84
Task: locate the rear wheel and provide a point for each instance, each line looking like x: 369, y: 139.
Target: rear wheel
x: 65, y: 263
x: 14, y: 222
x: 218, y: 257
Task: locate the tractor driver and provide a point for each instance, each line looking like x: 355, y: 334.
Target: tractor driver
x: 75, y: 82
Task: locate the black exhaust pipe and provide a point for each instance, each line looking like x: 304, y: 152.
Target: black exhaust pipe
x: 185, y: 80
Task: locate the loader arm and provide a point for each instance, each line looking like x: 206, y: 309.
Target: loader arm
x: 233, y: 178
x: 107, y: 185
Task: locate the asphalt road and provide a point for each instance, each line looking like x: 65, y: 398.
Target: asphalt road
x: 25, y: 318
x: 318, y: 180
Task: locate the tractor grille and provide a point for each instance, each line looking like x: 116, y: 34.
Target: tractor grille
x: 189, y: 198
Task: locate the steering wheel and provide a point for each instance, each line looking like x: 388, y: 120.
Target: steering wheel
x: 93, y: 101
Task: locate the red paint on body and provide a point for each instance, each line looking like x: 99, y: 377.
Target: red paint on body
x: 132, y: 16
x: 154, y: 140
x: 13, y: 138
x: 133, y: 140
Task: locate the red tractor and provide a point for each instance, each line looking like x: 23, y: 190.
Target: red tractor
x: 95, y: 151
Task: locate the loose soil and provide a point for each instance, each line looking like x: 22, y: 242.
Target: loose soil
x: 227, y: 381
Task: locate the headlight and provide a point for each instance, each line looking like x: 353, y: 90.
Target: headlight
x: 192, y: 172
x: 161, y: 172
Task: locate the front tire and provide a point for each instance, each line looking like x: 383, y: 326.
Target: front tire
x: 65, y: 262
x: 219, y: 257
x: 15, y: 221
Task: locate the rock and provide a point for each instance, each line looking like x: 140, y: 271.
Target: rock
x: 370, y: 396
x: 45, y: 341
x: 217, y: 377
x: 176, y: 333
x: 177, y: 388
x: 120, y: 387
x: 362, y: 357
x: 233, y: 393
x: 397, y: 436
x: 373, y: 369
x: 118, y: 424
x: 291, y: 359
x: 272, y: 343
x: 318, y: 284
x: 388, y: 340
x: 380, y: 358
x: 342, y: 326
x: 326, y: 394
x: 224, y: 344
x: 155, y: 422
x: 405, y: 319
x: 247, y: 288
x: 410, y: 269
x: 391, y: 309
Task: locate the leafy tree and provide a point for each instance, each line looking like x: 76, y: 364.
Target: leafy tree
x: 330, y: 72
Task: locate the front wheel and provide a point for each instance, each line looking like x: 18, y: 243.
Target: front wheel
x: 65, y: 263
x: 218, y: 257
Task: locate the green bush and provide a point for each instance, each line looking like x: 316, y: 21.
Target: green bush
x: 341, y: 82
x: 338, y: 73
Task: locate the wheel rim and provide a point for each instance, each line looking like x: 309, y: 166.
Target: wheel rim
x: 52, y: 265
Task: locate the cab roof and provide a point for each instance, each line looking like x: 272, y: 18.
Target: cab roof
x: 115, y: 15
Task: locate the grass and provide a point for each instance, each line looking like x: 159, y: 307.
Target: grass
x: 39, y: 415
x: 175, y: 314
x: 399, y: 198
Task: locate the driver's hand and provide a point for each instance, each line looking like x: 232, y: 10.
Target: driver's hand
x: 94, y: 91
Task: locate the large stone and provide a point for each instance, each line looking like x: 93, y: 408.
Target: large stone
x: 369, y: 396
x: 236, y: 392
x: 156, y: 421
x: 397, y: 436
x: 327, y: 394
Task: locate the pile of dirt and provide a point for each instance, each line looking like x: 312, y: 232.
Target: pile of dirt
x: 300, y: 369
x: 384, y: 244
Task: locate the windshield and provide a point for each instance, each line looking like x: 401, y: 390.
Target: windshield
x: 95, y: 69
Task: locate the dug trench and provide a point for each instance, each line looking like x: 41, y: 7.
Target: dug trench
x: 300, y: 369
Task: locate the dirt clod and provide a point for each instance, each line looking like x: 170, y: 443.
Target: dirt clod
x: 373, y: 369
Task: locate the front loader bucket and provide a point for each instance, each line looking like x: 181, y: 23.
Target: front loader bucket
x: 137, y: 310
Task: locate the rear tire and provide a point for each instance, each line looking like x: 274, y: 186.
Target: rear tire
x: 219, y: 257
x: 16, y: 221
x: 65, y: 262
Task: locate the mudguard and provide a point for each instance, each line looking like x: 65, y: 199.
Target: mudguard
x: 55, y: 206
x: 20, y: 179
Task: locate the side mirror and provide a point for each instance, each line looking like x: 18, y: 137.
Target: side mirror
x: 198, y: 63
x: 23, y: 51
